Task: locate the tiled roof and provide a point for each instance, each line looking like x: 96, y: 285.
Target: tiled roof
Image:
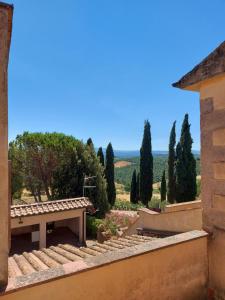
x: 212, y: 65
x: 54, y: 256
x: 49, y: 207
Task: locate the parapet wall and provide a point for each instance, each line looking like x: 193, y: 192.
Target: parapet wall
x: 176, y: 217
x: 183, y: 206
x: 170, y: 268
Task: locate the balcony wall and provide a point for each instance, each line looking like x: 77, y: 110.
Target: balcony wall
x: 170, y: 268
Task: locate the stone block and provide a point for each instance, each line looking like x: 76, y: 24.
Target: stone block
x: 218, y: 202
x: 219, y: 170
x: 219, y: 137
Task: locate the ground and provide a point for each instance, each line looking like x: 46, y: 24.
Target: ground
x: 122, y: 164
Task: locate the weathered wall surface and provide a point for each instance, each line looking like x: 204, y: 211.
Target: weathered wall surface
x: 174, y: 269
x: 178, y: 218
x: 213, y: 177
x: 5, y: 37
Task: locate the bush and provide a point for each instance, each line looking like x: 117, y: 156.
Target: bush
x: 198, y: 187
x: 92, y: 225
x: 126, y: 205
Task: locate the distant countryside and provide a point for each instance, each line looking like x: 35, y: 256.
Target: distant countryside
x: 124, y: 167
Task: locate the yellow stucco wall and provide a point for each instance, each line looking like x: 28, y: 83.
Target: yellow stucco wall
x: 175, y: 272
x: 183, y: 206
x: 178, y: 218
x: 213, y: 177
x: 178, y: 221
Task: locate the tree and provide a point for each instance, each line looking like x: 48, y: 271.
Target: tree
x: 58, y: 163
x: 100, y: 155
x: 138, y: 188
x: 133, y: 188
x: 171, y: 195
x: 163, y: 187
x: 146, y: 166
x: 89, y: 142
x: 109, y: 174
x: 185, y: 166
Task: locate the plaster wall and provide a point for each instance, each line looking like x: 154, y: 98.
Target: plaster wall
x: 183, y: 206
x: 179, y: 218
x: 170, y: 271
x: 56, y: 216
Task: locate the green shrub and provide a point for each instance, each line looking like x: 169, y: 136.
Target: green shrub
x: 92, y: 224
x: 198, y: 187
x: 126, y: 205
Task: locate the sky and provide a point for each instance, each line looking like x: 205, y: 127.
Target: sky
x: 100, y: 68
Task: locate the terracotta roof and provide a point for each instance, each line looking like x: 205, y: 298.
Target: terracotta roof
x: 54, y: 256
x: 49, y: 207
x: 212, y: 65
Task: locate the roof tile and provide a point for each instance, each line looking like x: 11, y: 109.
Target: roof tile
x: 49, y: 207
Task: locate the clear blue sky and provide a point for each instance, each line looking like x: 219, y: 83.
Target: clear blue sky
x: 100, y: 68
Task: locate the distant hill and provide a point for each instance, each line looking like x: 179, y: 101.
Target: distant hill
x: 123, y: 173
x: 136, y: 153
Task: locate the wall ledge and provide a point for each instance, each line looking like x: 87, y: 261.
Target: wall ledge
x: 87, y: 264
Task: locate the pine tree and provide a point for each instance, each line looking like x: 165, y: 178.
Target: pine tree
x: 138, y: 188
x: 171, y: 195
x: 109, y: 174
x: 100, y: 155
x: 163, y: 187
x: 146, y: 166
x: 186, y: 188
x: 133, y: 188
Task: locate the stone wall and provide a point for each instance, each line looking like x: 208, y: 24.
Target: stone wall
x: 213, y: 177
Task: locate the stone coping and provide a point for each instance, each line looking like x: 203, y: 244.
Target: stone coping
x: 104, y: 259
x: 183, y: 206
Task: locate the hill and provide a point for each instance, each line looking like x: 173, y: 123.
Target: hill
x: 123, y: 174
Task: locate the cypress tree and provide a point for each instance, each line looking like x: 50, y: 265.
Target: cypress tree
x: 109, y: 174
x: 138, y: 188
x: 133, y: 188
x: 100, y: 155
x: 89, y: 142
x: 171, y: 195
x: 163, y: 187
x: 146, y: 166
x: 185, y: 166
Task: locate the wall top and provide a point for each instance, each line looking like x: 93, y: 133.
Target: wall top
x: 9, y: 8
x: 212, y: 65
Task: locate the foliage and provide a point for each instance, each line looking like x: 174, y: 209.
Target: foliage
x: 163, y: 187
x: 124, y: 175
x: 16, y: 172
x: 198, y: 187
x: 171, y: 165
x: 92, y: 225
x: 138, y: 188
x: 90, y: 142
x: 146, y: 166
x: 133, y: 190
x: 100, y: 155
x: 185, y: 166
x: 126, y: 205
x: 56, y: 164
x: 109, y: 174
